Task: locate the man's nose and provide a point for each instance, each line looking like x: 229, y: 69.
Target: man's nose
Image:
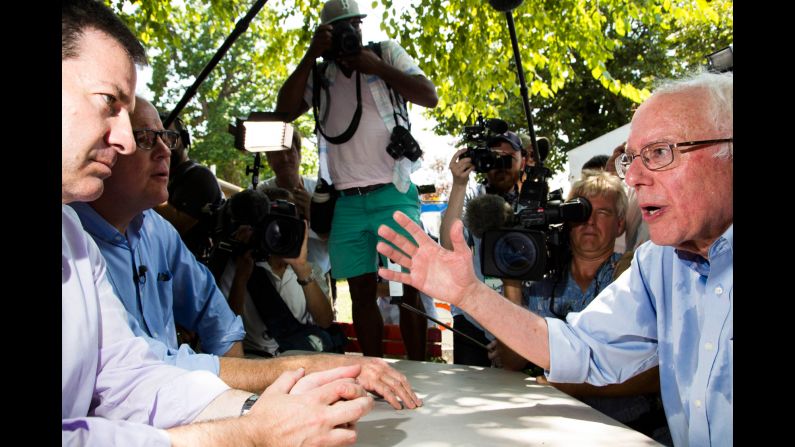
x: 160, y: 150
x: 121, y: 134
x: 637, y: 173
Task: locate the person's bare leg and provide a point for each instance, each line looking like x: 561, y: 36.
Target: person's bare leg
x: 366, y: 317
x: 413, y: 327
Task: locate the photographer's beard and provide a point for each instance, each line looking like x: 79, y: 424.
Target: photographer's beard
x: 502, y: 181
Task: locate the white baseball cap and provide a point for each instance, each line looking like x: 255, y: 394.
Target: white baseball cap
x: 335, y: 10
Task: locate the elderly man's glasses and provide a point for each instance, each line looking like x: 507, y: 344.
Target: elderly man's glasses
x: 147, y: 138
x: 660, y: 154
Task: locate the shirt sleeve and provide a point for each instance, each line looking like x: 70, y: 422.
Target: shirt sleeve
x: 93, y: 431
x: 198, y: 303
x: 134, y: 385
x: 611, y: 340
x: 396, y: 56
x: 184, y: 357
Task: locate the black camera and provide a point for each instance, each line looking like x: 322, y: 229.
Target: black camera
x: 479, y: 140
x: 277, y: 228
x: 402, y: 144
x: 535, y: 244
x: 345, y: 41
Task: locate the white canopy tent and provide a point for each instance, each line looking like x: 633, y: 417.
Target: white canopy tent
x: 598, y: 146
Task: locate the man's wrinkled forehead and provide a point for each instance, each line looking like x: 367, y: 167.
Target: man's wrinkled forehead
x: 669, y: 117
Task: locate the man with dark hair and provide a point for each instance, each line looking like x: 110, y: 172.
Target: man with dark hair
x: 596, y: 163
x: 503, y: 181
x: 359, y: 102
x: 113, y: 388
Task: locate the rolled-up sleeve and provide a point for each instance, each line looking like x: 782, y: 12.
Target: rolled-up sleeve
x: 611, y: 340
x: 199, y: 305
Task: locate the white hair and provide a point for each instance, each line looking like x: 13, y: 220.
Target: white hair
x: 719, y: 88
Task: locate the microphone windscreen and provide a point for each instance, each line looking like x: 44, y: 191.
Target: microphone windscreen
x: 486, y: 212
x: 497, y: 125
x: 505, y: 5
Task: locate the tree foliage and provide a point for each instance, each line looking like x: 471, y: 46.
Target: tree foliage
x: 587, y: 63
x: 182, y: 38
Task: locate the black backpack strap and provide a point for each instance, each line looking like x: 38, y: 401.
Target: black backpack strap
x: 317, y: 83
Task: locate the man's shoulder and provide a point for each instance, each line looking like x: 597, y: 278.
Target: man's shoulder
x: 156, y: 226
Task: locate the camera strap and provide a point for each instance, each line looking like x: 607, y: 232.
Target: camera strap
x: 319, y: 81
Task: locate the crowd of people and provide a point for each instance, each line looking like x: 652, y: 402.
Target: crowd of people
x: 160, y: 346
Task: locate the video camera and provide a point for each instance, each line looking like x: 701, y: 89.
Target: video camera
x: 345, y: 41
x: 533, y: 244
x: 277, y: 228
x: 479, y: 139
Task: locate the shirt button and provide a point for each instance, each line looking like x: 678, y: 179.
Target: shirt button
x: 708, y: 346
x: 154, y: 335
x: 719, y: 290
x: 697, y: 403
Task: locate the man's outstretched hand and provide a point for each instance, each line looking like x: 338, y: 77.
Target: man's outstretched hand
x: 442, y: 274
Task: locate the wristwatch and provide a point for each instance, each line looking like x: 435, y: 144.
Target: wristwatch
x: 304, y: 282
x: 248, y: 404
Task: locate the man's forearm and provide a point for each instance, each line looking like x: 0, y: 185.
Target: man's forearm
x: 226, y: 405
x: 256, y: 375
x: 501, y: 317
x: 455, y: 206
x: 291, y: 95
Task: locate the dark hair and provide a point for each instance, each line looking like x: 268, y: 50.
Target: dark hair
x: 248, y: 207
x: 596, y: 162
x: 77, y: 15
x: 180, y: 126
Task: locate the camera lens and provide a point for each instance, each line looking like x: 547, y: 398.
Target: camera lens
x: 282, y: 236
x: 515, y: 254
x: 349, y: 43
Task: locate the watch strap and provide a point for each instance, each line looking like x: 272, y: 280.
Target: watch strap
x: 248, y: 404
x: 304, y: 282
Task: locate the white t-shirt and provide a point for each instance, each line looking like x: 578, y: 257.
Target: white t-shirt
x: 363, y: 159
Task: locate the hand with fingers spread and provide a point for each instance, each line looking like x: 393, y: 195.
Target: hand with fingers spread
x: 319, y: 409
x: 443, y: 274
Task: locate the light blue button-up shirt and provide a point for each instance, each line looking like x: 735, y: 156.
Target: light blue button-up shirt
x: 114, y: 391
x: 175, y: 288
x: 670, y: 308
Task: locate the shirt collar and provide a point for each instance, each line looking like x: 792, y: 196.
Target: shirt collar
x: 722, y: 245
x: 99, y: 228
